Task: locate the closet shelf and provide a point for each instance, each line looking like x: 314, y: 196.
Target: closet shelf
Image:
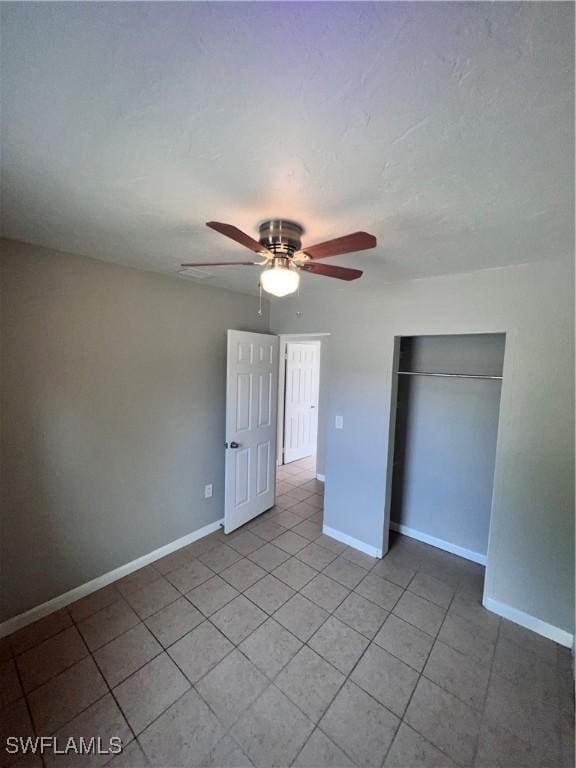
x: 450, y: 375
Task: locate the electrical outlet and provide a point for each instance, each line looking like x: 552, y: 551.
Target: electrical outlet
x: 339, y: 422
x: 208, y: 491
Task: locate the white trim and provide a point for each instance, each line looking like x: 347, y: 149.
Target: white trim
x: 368, y: 549
x: 320, y: 477
x: 39, y: 611
x: 529, y: 622
x: 291, y: 336
x: 468, y: 554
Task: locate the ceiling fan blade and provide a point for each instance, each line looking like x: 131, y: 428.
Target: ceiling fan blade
x: 357, y: 241
x: 328, y: 270
x: 238, y: 236
x: 223, y: 264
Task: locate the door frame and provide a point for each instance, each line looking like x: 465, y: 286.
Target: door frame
x: 394, y: 341
x: 285, y: 338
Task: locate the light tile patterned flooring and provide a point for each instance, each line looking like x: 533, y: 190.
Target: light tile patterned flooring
x: 278, y: 646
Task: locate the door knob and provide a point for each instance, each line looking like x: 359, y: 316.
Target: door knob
x: 234, y: 445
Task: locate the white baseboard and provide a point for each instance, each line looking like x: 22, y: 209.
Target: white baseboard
x: 322, y: 478
x: 556, y: 634
x: 352, y: 542
x: 39, y: 611
x: 467, y: 554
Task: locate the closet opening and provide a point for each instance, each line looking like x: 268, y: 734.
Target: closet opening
x: 446, y: 425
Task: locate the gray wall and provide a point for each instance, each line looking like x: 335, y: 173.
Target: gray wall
x: 113, y: 390
x: 478, y: 353
x: 445, y: 438
x: 531, y: 545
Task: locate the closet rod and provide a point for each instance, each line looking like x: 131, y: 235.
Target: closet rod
x: 450, y: 375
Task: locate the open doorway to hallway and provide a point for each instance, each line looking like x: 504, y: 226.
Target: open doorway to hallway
x: 298, y: 474
x: 299, y: 401
x: 300, y: 499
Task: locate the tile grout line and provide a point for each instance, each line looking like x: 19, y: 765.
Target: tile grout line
x: 304, y: 643
x: 110, y: 689
x: 27, y: 705
x: 111, y: 692
x: 496, y: 675
x: 142, y: 621
x: 271, y: 682
x: 80, y: 712
x: 348, y: 679
x: 485, y: 699
x: 64, y: 669
x: 106, y: 683
x: 420, y: 675
x: 330, y: 614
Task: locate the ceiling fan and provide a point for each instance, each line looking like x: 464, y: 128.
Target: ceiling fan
x: 281, y: 248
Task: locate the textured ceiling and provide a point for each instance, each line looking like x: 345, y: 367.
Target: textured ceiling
x: 445, y: 129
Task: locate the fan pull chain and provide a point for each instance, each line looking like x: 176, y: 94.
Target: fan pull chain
x: 260, y: 298
x: 298, y: 312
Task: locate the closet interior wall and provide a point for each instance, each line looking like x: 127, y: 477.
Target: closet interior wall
x: 445, y: 439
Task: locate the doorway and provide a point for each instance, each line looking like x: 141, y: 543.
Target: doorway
x: 256, y: 395
x: 298, y: 399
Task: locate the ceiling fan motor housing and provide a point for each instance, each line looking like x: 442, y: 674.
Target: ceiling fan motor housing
x: 281, y: 236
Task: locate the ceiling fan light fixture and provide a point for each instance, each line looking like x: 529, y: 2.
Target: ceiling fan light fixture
x: 280, y: 246
x: 279, y: 279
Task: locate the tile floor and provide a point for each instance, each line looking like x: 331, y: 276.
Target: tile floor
x: 279, y: 646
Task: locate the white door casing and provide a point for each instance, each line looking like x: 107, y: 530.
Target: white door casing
x: 301, y: 400
x: 251, y: 420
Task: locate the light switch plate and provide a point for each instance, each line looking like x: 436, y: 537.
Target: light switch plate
x: 208, y: 491
x: 339, y: 422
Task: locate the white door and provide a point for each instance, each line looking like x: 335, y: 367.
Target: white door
x: 301, y: 401
x: 251, y: 404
